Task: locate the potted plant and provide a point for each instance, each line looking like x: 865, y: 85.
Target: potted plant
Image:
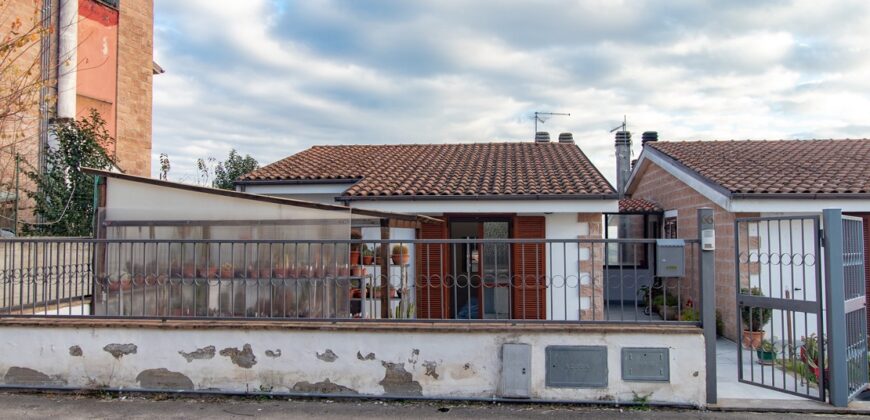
x: 754, y: 320
x: 355, y: 249
x: 367, y: 255
x: 209, y: 272
x: 667, y: 306
x: 356, y: 271
x: 690, y: 315
x: 227, y: 271
x: 766, y: 352
x: 188, y: 271
x: 810, y: 355
x: 400, y: 255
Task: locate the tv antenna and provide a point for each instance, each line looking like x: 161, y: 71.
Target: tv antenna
x: 542, y: 117
x: 623, y: 126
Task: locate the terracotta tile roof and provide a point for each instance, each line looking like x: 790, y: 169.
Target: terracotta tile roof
x: 637, y: 205
x: 777, y: 166
x: 445, y: 169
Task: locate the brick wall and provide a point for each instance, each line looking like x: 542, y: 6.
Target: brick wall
x: 135, y: 58
x: 595, y: 290
x: 659, y: 186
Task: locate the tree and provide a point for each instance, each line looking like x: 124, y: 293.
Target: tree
x: 231, y: 169
x: 64, y: 195
x: 21, y: 82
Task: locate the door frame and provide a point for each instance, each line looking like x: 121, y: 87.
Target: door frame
x: 478, y: 218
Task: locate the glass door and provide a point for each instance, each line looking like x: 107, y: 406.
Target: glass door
x: 495, y: 271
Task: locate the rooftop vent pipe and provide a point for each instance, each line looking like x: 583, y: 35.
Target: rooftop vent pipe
x: 649, y: 136
x: 623, y: 160
x: 542, y: 137
x: 566, y: 138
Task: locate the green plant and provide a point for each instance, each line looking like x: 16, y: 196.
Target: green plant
x: 400, y: 250
x: 661, y: 300
x: 641, y: 401
x: 365, y: 251
x: 768, y: 347
x: 690, y: 314
x: 64, y: 195
x: 226, y: 172
x: 754, y: 319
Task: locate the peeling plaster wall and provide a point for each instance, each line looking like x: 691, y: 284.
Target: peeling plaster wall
x: 432, y: 364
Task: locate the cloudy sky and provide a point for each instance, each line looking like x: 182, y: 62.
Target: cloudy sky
x: 271, y: 78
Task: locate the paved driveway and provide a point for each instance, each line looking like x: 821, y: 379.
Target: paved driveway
x: 65, y: 406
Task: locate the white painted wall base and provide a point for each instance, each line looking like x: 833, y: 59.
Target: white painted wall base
x: 437, y: 363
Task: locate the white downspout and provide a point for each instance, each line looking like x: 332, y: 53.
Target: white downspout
x: 67, y: 58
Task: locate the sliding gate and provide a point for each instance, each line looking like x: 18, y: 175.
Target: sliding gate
x: 801, y: 305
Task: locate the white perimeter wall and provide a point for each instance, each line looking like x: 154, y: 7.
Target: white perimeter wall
x: 374, y: 362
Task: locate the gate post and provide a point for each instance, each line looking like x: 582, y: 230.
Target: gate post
x: 707, y: 282
x: 835, y: 296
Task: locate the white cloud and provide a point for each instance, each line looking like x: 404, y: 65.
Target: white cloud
x: 271, y: 78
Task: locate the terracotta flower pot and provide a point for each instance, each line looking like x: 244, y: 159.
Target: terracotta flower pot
x: 752, y: 339
x: 400, y: 259
x: 354, y: 257
x: 356, y: 271
x: 367, y: 259
x: 209, y: 273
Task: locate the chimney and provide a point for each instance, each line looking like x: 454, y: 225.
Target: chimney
x: 649, y: 136
x: 567, y: 138
x: 542, y: 137
x: 623, y: 160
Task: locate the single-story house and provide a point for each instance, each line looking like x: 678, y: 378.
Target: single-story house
x: 751, y: 179
x: 509, y: 191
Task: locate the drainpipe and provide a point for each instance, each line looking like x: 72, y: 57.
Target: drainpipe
x: 67, y: 59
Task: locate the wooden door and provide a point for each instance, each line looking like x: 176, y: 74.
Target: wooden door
x: 528, y: 277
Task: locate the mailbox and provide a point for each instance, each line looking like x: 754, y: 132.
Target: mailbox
x: 670, y: 258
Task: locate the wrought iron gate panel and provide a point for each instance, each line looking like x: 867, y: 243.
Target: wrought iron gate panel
x: 856, y: 310
x: 779, y: 296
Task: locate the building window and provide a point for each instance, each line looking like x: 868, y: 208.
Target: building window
x: 669, y: 226
x: 626, y: 226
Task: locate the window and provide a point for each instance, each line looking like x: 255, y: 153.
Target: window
x: 626, y: 226
x: 669, y: 227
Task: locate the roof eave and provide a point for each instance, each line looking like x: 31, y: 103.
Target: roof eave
x: 802, y: 196
x: 296, y: 181
x: 489, y: 197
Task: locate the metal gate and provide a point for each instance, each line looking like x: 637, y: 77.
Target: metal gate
x: 854, y: 307
x: 780, y: 304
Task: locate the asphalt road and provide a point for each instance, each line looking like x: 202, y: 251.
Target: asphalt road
x: 67, y: 406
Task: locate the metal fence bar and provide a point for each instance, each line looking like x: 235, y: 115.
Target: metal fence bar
x: 835, y: 305
x: 520, y: 279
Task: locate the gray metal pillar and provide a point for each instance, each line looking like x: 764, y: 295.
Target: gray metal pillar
x: 708, y: 299
x: 835, y: 308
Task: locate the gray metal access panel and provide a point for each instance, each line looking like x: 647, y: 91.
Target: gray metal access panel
x: 670, y: 258
x: 516, y: 371
x: 646, y: 364
x: 576, y: 366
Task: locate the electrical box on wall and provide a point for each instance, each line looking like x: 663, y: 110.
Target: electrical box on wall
x: 516, y: 371
x: 670, y: 258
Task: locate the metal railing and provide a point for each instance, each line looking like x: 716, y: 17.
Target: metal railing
x: 470, y: 280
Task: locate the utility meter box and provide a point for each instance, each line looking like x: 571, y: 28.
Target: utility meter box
x: 670, y: 258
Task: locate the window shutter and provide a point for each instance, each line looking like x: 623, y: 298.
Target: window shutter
x: 529, y: 281
x: 432, y: 293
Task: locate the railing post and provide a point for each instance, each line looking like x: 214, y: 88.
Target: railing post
x: 835, y: 296
x: 707, y: 277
